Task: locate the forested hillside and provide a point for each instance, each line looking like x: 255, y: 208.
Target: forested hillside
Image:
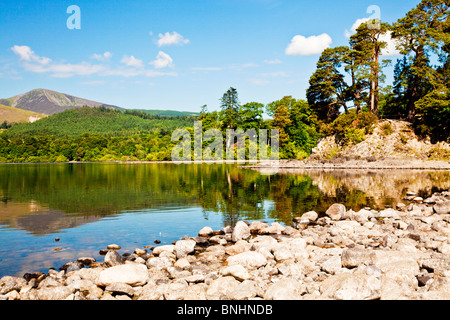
x: 75, y: 122
x: 346, y: 98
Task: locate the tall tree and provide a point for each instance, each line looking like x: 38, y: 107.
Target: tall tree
x: 281, y: 122
x: 368, y: 43
x: 229, y: 104
x: 329, y: 89
x: 420, y: 32
x: 326, y: 92
x: 250, y: 115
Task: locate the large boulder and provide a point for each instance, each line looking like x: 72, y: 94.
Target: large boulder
x: 112, y: 258
x: 284, y: 289
x: 133, y: 274
x: 248, y: 259
x: 442, y: 207
x: 336, y: 211
x: 220, y: 288
x: 184, y: 247
x: 240, y: 232
x: 348, y: 286
x: 8, y: 283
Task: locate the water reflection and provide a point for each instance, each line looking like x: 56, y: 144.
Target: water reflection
x: 46, y: 198
x: 90, y: 206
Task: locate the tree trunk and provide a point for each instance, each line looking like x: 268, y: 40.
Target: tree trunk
x: 415, y: 94
x: 374, y: 98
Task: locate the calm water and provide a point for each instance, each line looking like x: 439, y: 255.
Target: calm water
x: 89, y: 206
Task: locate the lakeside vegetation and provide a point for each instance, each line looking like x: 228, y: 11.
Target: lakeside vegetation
x: 345, y: 98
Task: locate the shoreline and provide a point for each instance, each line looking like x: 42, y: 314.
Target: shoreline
x: 391, y: 254
x: 291, y: 164
x: 363, y: 164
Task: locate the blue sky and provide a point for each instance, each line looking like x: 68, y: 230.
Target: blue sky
x: 175, y: 54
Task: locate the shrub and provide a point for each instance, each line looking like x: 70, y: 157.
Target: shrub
x: 387, y: 129
x: 351, y: 127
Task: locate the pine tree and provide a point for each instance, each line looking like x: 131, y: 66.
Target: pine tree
x: 326, y: 92
x: 421, y: 32
x: 368, y: 45
x: 229, y: 104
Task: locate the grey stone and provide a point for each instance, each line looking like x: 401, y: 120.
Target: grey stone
x: 184, y: 247
x: 240, y: 232
x: 220, y: 288
x: 205, y: 232
x: 8, y: 283
x: 120, y: 288
x: 284, y: 289
x: 336, y: 211
x: 112, y: 258
x: 133, y: 274
x: 249, y: 259
x: 237, y: 271
x: 442, y: 207
x: 54, y: 293
x: 347, y: 286
x: 355, y: 257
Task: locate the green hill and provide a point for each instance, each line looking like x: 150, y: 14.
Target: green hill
x: 99, y: 120
x: 168, y: 113
x: 15, y: 115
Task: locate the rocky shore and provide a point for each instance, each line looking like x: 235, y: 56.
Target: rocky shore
x: 353, y: 163
x: 395, y: 253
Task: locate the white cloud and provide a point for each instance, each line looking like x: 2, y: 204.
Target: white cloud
x: 355, y: 26
x: 131, y: 61
x: 302, y: 46
x: 275, y: 61
x: 33, y: 63
x: 102, y: 57
x: 163, y: 60
x: 389, y: 50
x: 65, y: 70
x: 167, y: 39
x: 26, y: 54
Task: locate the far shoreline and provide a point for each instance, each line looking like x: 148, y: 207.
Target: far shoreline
x: 292, y: 164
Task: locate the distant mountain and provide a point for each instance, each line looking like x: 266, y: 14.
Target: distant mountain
x: 15, y: 115
x: 49, y: 102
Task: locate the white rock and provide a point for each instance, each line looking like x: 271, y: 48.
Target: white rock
x: 284, y: 289
x: 336, y: 211
x: 311, y: 216
x: 249, y: 259
x: 133, y: 274
x: 240, y: 232
x: 389, y: 213
x: 184, y: 247
x: 168, y: 248
x: 159, y: 262
x: 219, y: 288
x: 237, y: 271
x: 347, y: 286
x: 442, y: 207
x: 205, y: 232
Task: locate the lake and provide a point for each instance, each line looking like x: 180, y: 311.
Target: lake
x: 88, y: 206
